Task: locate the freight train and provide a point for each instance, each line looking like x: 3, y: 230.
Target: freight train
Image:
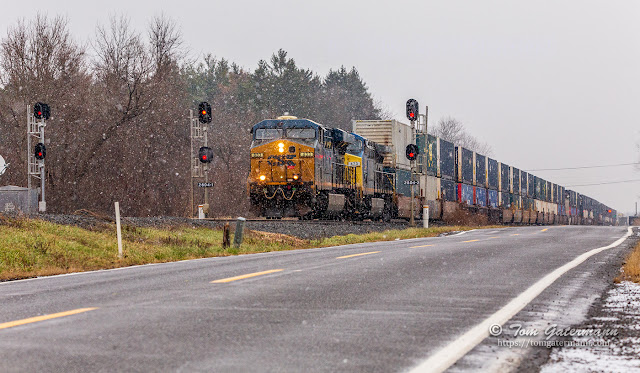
x: 300, y: 168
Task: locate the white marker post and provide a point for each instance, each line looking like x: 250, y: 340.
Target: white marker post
x: 118, y: 230
x: 425, y: 216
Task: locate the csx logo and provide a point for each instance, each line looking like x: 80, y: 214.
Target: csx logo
x: 281, y: 160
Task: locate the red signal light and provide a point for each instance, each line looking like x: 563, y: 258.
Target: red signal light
x: 204, y: 157
x: 411, y: 155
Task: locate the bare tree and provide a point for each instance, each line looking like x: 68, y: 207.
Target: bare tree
x: 451, y: 129
x: 165, y: 43
x: 40, y: 62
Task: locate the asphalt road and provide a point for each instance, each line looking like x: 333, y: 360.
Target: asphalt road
x: 384, y: 306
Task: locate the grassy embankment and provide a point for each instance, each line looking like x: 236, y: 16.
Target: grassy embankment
x: 31, y: 248
x: 631, y: 267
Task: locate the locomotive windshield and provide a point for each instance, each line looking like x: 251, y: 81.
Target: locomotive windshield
x: 300, y: 133
x: 268, y: 133
x: 355, y: 147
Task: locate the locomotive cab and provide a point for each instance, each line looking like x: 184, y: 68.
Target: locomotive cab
x: 283, y: 173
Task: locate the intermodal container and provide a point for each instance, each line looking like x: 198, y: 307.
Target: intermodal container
x: 524, y: 188
x: 465, y: 194
x: 515, y: 200
x: 465, y: 165
x: 447, y: 155
x: 504, y: 200
x: 505, y: 185
x: 492, y: 197
x: 448, y: 190
x: 430, y: 156
x: 493, y: 171
x: 390, y: 133
x: 480, y: 170
x: 481, y: 196
x: 515, y: 180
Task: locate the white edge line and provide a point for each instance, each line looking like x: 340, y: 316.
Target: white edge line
x: 461, y: 233
x: 451, y: 353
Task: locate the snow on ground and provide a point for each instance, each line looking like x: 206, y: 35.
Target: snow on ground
x: 621, y: 353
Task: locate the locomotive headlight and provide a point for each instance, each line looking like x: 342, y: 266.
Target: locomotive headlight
x: 306, y: 154
x: 295, y: 177
x: 281, y: 147
x: 263, y: 178
x: 257, y: 155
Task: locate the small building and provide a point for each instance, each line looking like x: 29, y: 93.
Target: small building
x: 16, y: 200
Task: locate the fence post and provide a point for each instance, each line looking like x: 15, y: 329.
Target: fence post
x: 238, y: 236
x: 118, y: 230
x: 226, y: 236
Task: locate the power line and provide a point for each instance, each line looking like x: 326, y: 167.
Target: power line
x: 610, y: 182
x: 581, y: 167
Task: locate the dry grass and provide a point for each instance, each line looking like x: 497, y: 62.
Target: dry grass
x: 631, y: 267
x: 30, y: 248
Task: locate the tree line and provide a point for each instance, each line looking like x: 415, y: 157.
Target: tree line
x: 119, y: 127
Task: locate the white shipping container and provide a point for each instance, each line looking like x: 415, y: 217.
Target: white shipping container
x: 430, y: 187
x: 390, y: 133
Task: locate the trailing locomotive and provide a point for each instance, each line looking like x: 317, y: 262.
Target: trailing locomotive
x: 303, y: 169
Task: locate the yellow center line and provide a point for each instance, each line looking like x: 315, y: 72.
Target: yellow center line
x: 242, y: 277
x: 516, y: 234
x: 470, y: 241
x: 30, y: 320
x: 494, y: 237
x: 351, y: 256
x: 415, y: 247
x: 544, y: 230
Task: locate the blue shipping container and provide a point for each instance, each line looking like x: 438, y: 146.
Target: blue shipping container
x: 493, y: 198
x: 481, y: 196
x: 448, y: 190
x: 465, y: 194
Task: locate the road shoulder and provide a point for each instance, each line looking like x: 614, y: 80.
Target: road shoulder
x: 567, y: 303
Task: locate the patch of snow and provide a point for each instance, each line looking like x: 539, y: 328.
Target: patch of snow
x: 606, y: 354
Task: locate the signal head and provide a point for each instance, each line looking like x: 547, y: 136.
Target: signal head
x: 40, y: 151
x: 204, y: 112
x: 38, y: 110
x: 412, y: 109
x: 412, y: 152
x: 205, y: 154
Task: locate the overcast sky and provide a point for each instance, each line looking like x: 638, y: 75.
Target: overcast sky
x: 547, y: 83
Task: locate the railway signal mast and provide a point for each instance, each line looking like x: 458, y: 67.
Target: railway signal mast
x: 200, y: 164
x: 36, y: 122
x: 413, y: 112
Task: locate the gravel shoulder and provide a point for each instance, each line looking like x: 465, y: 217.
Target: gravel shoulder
x: 616, y: 315
x: 301, y: 229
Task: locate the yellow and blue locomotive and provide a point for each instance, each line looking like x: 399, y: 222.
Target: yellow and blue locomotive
x: 304, y: 169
